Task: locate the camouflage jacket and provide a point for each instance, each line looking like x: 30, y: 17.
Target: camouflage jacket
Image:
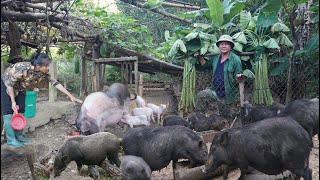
x: 21, y: 75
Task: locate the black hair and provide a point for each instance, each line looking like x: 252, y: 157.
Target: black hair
x: 40, y: 59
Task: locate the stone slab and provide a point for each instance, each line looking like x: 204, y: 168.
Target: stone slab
x: 45, y: 111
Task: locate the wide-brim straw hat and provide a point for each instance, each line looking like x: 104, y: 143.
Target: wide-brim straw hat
x: 225, y: 38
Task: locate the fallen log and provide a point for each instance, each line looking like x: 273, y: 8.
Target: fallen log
x: 182, y: 172
x: 110, y: 169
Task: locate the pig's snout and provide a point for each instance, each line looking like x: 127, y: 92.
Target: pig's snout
x: 210, y: 165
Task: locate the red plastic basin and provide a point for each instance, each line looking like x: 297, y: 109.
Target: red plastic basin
x: 18, y: 121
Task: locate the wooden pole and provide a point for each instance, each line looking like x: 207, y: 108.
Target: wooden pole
x: 126, y: 73
x: 95, y: 55
x: 241, y: 92
x: 122, y: 79
x: 130, y: 74
x: 98, y: 76
x: 136, y: 82
x: 52, y: 90
x: 83, y: 86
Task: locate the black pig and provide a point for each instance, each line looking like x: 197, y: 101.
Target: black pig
x: 87, y: 150
x: 134, y: 168
x: 251, y: 114
x: 171, y: 120
x: 306, y: 113
x: 271, y: 146
x: 159, y: 145
x: 199, y: 122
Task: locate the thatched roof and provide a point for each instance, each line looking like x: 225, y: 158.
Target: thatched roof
x: 33, y: 20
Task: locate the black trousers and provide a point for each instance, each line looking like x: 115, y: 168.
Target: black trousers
x: 6, y: 101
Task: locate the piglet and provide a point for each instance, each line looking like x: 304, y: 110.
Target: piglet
x: 134, y: 168
x: 158, y: 111
x: 135, y: 120
x: 143, y: 111
x: 140, y: 102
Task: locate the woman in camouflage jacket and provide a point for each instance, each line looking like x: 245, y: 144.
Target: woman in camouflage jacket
x: 14, y: 83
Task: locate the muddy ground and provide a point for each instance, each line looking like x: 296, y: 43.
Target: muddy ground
x: 53, y: 134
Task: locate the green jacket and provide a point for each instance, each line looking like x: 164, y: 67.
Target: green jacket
x: 232, y: 66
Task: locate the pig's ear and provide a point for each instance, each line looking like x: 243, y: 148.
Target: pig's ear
x: 224, y: 139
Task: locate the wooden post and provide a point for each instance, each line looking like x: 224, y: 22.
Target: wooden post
x: 130, y: 74
x: 83, y: 86
x: 141, y: 85
x: 102, y: 74
x: 136, y: 82
x: 52, y: 90
x: 126, y: 73
x: 241, y: 92
x: 95, y: 55
x: 98, y: 76
x: 122, y: 79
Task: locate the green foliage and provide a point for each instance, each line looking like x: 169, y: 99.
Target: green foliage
x: 216, y: 12
x: 120, y: 30
x: 77, y: 66
x: 66, y: 73
x: 67, y: 49
x: 249, y: 74
x: 284, y: 64
x: 311, y: 48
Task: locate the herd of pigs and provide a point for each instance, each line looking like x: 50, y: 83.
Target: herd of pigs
x: 272, y: 139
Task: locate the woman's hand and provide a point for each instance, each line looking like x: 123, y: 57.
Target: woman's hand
x: 14, y: 106
x: 74, y: 100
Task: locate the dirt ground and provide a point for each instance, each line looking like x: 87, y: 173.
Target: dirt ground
x: 52, y: 135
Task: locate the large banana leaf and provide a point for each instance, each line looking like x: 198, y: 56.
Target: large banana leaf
x: 191, y: 35
x: 240, y: 37
x: 179, y: 44
x: 245, y: 18
x: 232, y: 9
x: 279, y: 27
x: 284, y: 40
x: 267, y: 19
x: 271, y: 43
x: 216, y: 12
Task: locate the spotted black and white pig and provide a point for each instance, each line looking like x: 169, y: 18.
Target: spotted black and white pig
x: 87, y: 150
x: 159, y: 145
x: 199, y: 122
x: 172, y: 120
x: 251, y: 114
x: 271, y: 146
x: 134, y: 168
x: 101, y: 109
x: 306, y: 113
